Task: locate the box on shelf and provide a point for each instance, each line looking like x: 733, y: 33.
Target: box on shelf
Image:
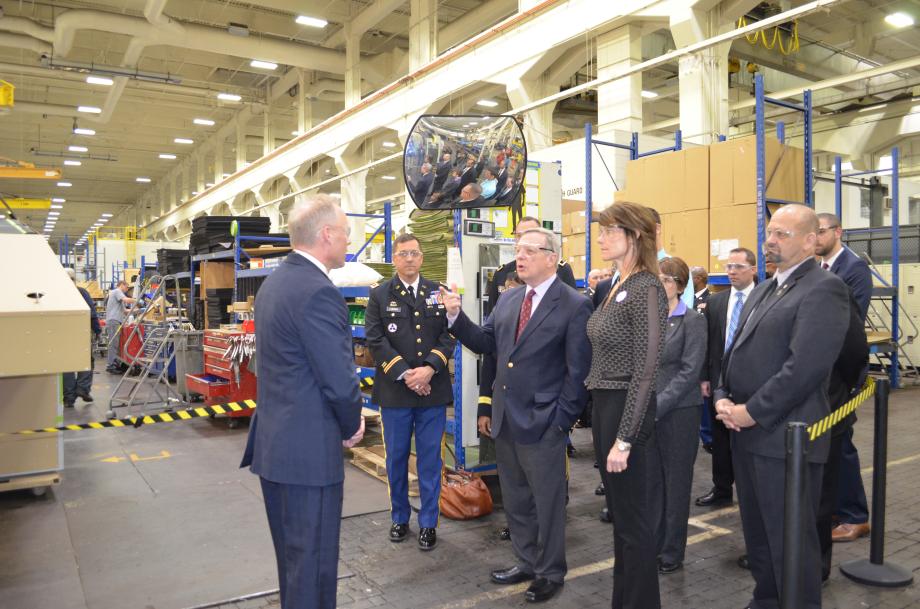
x: 573, y: 223
x: 731, y: 227
x: 733, y: 172
x: 686, y: 236
x: 215, y: 275
x: 575, y: 245
x: 670, y: 182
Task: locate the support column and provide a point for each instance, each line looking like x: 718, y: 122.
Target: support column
x: 619, y: 104
x: 200, y: 167
x: 352, y: 66
x: 703, y: 77
x: 354, y: 196
x: 268, y: 136
x: 218, y: 162
x: 423, y: 32
x: 304, y: 104
x: 538, y: 124
x: 240, y: 145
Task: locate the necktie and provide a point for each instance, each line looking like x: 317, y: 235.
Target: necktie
x: 411, y: 292
x: 735, y: 318
x: 526, y: 309
x: 825, y: 266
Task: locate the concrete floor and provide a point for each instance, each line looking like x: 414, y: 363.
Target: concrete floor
x: 161, y: 517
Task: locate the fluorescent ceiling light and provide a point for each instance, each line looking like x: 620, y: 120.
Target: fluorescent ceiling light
x: 163, y: 155
x: 64, y: 184
x: 81, y: 131
x: 899, y: 20
x: 204, y: 121
x: 58, y: 200
x: 106, y: 215
x: 54, y: 213
x: 183, y: 140
x: 265, y: 65
x: 100, y: 80
x: 311, y: 21
x: 224, y: 176
x: 388, y: 177
x: 846, y: 166
x: 488, y: 103
x: 194, y: 193
x: 649, y: 94
x: 102, y: 220
x: 57, y: 207
x: 78, y: 148
x: 72, y: 163
x: 89, y: 109
x: 142, y: 180
x: 296, y: 133
x: 209, y: 184
x: 389, y: 144
x: 229, y: 97
x: 48, y: 230
x: 884, y: 162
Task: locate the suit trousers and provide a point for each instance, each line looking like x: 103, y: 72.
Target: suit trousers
x: 305, y: 523
x: 533, y: 483
x: 852, y: 507
x: 723, y: 473
x: 830, y: 480
x: 760, y: 482
x: 635, y: 535
x: 705, y: 426
x: 677, y: 441
x: 427, y: 423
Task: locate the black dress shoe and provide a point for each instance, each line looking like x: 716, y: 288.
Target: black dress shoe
x: 570, y: 450
x: 707, y: 446
x: 504, y: 534
x: 398, y: 532
x: 596, y: 466
x: 713, y: 499
x: 68, y: 404
x: 743, y: 562
x: 600, y: 490
x: 666, y: 568
x: 86, y: 397
x: 427, y: 539
x: 514, y: 575
x: 541, y: 590
x: 605, y: 516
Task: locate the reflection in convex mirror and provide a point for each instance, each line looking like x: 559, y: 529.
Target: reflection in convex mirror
x: 464, y: 162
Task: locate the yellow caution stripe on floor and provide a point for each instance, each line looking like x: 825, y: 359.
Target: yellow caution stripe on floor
x: 163, y: 417
x: 818, y: 429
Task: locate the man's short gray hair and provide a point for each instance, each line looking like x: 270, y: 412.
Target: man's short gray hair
x: 551, y: 241
x: 310, y: 215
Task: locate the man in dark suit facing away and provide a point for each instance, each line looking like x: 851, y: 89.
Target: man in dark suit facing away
x: 776, y: 371
x: 309, y: 404
x: 538, y: 335
x: 852, y: 509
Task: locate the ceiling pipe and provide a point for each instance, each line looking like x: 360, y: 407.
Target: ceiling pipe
x: 26, y: 43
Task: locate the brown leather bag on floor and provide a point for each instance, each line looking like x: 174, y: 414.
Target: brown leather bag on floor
x: 463, y: 495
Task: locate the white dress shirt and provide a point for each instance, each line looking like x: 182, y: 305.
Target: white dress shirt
x: 315, y: 261
x: 781, y: 278
x: 539, y: 292
x: 830, y: 261
x: 732, y: 299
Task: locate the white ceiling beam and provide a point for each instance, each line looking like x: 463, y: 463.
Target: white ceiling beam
x: 365, y: 20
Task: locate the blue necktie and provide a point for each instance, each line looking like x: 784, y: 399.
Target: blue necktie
x: 733, y: 323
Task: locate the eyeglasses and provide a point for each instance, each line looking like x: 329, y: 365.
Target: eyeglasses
x: 737, y: 266
x: 529, y: 251
x: 667, y: 278
x: 825, y: 229
x: 611, y: 230
x: 781, y: 235
x: 409, y: 254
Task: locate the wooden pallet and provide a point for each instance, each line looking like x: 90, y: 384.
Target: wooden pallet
x: 372, y: 460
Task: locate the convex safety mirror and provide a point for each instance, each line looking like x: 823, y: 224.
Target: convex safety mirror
x: 464, y: 161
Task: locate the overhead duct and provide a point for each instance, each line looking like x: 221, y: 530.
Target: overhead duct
x: 26, y: 43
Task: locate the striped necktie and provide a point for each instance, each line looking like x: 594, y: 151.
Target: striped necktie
x: 735, y: 319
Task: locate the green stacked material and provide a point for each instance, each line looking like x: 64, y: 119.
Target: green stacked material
x: 356, y: 314
x: 435, y: 231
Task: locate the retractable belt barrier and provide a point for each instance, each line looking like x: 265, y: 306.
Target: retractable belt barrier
x: 168, y: 416
x: 819, y: 428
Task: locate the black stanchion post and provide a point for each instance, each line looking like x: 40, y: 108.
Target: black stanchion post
x: 874, y: 572
x: 792, y: 595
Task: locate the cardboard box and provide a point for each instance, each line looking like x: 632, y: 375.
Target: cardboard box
x: 695, y: 195
x: 731, y: 227
x: 574, y: 245
x: 578, y: 266
x: 686, y: 236
x: 215, y: 275
x: 636, y: 183
x: 573, y: 223
x: 733, y: 172
x: 570, y: 206
x: 670, y: 182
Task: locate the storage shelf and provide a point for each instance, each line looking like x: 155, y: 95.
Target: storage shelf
x: 357, y: 331
x: 263, y: 272
x: 214, y: 256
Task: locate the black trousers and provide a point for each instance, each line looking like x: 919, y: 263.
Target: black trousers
x: 723, y: 473
x: 635, y: 535
x: 829, y: 486
x: 760, y: 482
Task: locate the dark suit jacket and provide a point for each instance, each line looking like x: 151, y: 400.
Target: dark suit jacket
x: 702, y: 299
x: 850, y: 368
x: 308, y: 395
x: 421, y: 186
x: 467, y: 175
x: 540, y: 378
x: 782, y: 356
x: 678, y: 382
x: 855, y: 273
x: 600, y: 292
x: 716, y: 313
x: 441, y: 173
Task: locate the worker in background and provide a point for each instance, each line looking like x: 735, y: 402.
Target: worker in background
x: 700, y: 287
x: 406, y: 329
x: 115, y: 304
x: 593, y: 277
x: 852, y: 512
x: 79, y: 384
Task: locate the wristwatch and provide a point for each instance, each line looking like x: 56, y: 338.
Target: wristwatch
x: 623, y: 446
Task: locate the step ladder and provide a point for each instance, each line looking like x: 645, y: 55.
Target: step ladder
x: 889, y: 351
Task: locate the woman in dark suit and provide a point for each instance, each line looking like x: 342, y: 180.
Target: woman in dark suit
x: 677, y: 414
x: 627, y: 333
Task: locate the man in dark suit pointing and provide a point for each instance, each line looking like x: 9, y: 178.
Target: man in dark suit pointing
x: 776, y: 371
x: 537, y: 333
x: 309, y: 404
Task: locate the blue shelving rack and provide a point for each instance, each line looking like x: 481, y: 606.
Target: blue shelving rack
x: 763, y: 210
x: 888, y: 289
